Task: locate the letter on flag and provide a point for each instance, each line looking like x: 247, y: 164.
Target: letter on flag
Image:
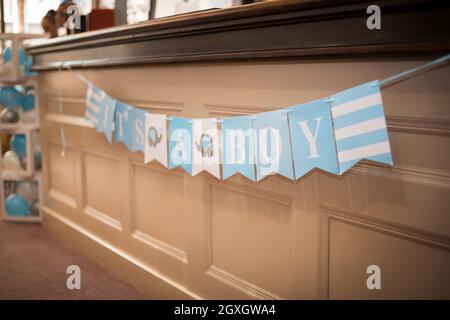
x: 238, y: 147
x: 273, y: 145
x: 100, y: 110
x: 123, y: 126
x: 156, y: 138
x: 93, y: 101
x: 180, y: 144
x: 138, y: 129
x: 312, y: 138
x: 205, y: 149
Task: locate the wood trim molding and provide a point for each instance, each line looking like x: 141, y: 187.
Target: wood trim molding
x: 395, y: 229
x: 63, y: 198
x: 248, y: 288
x: 431, y: 126
x: 271, y: 30
x: 104, y: 218
x: 68, y: 120
x: 146, y: 278
x: 424, y: 176
x: 153, y: 106
x: 330, y: 213
x: 160, y: 245
x: 242, y: 285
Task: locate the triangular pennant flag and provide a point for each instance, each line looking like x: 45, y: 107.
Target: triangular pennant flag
x: 107, y: 114
x: 312, y: 137
x: 123, y: 125
x: 238, y: 147
x: 93, y: 102
x: 180, y: 144
x: 205, y: 147
x: 360, y: 126
x: 100, y: 110
x: 273, y: 145
x: 156, y: 138
x: 138, y: 129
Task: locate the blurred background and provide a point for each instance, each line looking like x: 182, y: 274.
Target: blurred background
x: 25, y: 16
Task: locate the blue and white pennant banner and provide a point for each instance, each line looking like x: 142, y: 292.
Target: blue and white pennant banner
x: 331, y: 134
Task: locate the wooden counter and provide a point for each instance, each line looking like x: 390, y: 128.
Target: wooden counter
x: 176, y: 236
x: 280, y: 29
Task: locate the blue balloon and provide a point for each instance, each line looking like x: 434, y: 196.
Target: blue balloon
x: 10, y: 97
x: 27, y: 68
x: 22, y: 56
x: 19, y: 145
x: 7, y: 54
x: 28, y: 102
x: 16, y: 205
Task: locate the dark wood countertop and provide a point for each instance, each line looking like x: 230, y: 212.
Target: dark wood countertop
x: 269, y: 30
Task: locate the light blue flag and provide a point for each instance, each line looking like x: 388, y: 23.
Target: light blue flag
x: 238, y: 147
x: 106, y: 116
x: 93, y: 104
x: 138, y: 129
x: 312, y: 138
x: 273, y: 145
x: 123, y: 124
x: 180, y: 144
x: 360, y: 126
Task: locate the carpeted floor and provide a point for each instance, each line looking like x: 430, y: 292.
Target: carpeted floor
x: 33, y: 266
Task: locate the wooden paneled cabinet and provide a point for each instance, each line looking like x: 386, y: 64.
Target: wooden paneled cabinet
x: 176, y: 236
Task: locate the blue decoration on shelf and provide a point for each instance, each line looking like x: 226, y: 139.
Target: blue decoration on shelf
x: 28, y: 102
x: 7, y: 54
x: 9, y: 116
x: 27, y: 68
x: 10, y: 97
x: 19, y: 145
x: 16, y: 205
x: 22, y: 56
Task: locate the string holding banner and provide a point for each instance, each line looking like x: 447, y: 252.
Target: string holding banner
x: 333, y: 133
x: 61, y: 111
x: 415, y: 71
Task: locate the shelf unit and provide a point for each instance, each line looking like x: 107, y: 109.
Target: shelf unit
x: 11, y: 180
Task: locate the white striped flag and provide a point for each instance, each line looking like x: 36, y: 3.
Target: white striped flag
x: 360, y: 126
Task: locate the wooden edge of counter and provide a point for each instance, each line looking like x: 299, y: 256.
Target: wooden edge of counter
x: 269, y: 30
x: 149, y: 281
